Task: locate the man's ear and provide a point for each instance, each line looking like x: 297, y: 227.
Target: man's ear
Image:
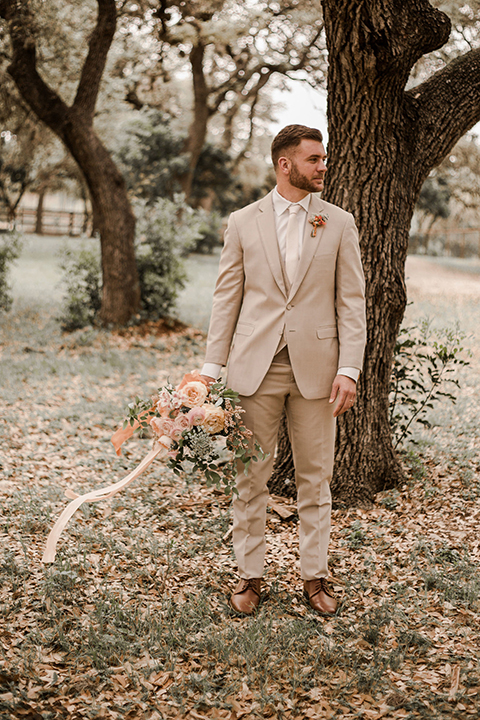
x: 284, y: 164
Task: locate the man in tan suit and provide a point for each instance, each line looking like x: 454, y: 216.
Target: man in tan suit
x: 289, y: 314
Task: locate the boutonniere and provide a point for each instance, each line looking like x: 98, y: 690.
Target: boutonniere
x: 317, y: 221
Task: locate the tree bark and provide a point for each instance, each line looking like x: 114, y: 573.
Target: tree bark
x: 282, y: 481
x: 74, y: 126
x: 383, y: 142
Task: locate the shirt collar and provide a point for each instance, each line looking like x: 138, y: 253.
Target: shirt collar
x: 280, y: 204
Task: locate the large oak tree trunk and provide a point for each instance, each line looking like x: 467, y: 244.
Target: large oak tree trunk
x: 74, y: 126
x: 383, y: 142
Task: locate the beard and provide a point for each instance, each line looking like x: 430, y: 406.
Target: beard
x: 302, y: 182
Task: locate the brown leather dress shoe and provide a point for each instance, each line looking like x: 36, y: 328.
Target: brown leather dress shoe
x: 246, y: 596
x: 320, y: 596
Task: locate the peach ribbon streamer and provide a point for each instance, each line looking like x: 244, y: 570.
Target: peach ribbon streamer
x: 160, y: 449
x: 122, y: 434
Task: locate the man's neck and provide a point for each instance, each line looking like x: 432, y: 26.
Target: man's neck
x: 290, y: 193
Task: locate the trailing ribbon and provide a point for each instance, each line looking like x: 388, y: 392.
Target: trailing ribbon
x: 160, y: 449
x: 123, y: 433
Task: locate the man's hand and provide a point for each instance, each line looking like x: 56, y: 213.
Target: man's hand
x: 344, y: 390
x: 208, y: 380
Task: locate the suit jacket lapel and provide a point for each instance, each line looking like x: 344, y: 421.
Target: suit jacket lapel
x: 310, y: 245
x: 268, y: 235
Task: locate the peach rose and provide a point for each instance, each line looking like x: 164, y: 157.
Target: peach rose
x: 214, y: 419
x: 193, y: 394
x: 196, y: 416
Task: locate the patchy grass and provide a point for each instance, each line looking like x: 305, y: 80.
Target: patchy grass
x: 37, y: 278
x: 132, y: 621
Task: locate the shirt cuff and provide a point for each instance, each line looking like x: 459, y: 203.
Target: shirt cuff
x: 211, y: 370
x: 350, y: 372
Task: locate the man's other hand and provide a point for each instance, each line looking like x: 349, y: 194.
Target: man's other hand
x: 208, y: 380
x: 344, y: 390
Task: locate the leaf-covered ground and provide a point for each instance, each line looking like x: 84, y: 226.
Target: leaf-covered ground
x: 132, y: 620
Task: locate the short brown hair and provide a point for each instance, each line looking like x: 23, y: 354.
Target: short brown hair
x: 290, y: 137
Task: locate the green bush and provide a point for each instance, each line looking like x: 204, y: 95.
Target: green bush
x: 83, y: 284
x: 151, y: 155
x: 10, y: 247
x: 424, y: 361
x: 210, y: 232
x: 166, y: 232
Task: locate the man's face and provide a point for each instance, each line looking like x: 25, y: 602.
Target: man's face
x: 307, y: 166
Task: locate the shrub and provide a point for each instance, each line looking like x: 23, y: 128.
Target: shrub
x: 166, y: 231
x: 10, y: 247
x: 82, y: 278
x: 210, y: 232
x: 151, y: 154
x: 424, y: 361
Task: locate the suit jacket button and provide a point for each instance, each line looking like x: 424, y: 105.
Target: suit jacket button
x: 289, y: 307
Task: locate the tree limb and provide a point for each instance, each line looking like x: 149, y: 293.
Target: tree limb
x: 443, y: 108
x: 94, y: 65
x: 45, y: 103
x: 387, y: 36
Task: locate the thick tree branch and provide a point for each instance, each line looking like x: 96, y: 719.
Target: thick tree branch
x: 443, y: 108
x: 94, y: 65
x: 46, y: 104
x: 403, y: 30
x: 383, y: 39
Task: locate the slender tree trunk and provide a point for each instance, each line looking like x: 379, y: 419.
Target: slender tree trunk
x: 198, y: 128
x: 39, y: 213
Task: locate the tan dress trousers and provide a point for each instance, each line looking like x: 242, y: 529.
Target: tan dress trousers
x: 311, y: 427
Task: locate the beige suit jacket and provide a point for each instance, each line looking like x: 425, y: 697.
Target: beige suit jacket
x: 321, y: 316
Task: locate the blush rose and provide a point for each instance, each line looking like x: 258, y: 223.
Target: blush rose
x: 162, y: 426
x: 180, y: 424
x: 196, y: 416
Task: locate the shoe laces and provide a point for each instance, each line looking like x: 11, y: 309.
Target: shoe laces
x: 322, y: 584
x: 250, y: 584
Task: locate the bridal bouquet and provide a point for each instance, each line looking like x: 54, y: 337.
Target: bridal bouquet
x: 186, y: 422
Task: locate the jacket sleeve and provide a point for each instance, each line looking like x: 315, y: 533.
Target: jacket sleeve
x: 350, y: 299
x: 227, y: 298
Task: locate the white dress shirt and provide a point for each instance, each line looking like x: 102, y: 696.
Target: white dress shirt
x: 281, y: 213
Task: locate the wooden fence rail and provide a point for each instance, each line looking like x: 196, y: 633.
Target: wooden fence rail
x: 459, y: 242
x: 54, y: 222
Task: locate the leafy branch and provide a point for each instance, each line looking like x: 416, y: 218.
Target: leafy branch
x: 424, y: 361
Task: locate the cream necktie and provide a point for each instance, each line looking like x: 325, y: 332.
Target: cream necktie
x: 291, y: 247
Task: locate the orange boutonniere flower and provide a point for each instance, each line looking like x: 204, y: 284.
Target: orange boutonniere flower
x: 317, y: 221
